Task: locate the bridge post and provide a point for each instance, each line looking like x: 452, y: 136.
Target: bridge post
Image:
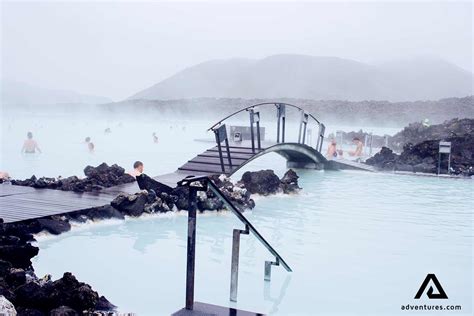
x: 221, y: 134
x: 319, y: 138
x: 303, y: 122
x: 256, y: 117
x: 251, y: 130
x: 283, y: 120
x: 280, y: 117
x: 319, y: 144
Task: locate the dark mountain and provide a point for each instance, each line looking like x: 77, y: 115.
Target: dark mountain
x: 309, y: 77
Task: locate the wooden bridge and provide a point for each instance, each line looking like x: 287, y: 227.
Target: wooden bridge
x: 232, y: 153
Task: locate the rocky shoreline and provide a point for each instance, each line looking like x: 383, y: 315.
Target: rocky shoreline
x: 31, y: 295
x: 420, y: 151
x: 97, y: 178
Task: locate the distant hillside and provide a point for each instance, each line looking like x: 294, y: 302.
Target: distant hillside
x: 373, y: 113
x: 309, y: 77
x: 19, y: 93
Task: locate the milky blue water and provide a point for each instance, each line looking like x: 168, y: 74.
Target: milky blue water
x: 358, y: 243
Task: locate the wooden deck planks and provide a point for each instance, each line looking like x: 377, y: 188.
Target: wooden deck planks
x: 22, y: 203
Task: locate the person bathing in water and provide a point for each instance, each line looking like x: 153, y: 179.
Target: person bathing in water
x: 30, y: 146
x: 332, y: 150
x: 155, y: 138
x: 90, y: 144
x: 359, y: 148
x: 147, y: 183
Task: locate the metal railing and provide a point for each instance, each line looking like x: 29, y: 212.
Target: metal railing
x: 203, y: 183
x: 281, y: 122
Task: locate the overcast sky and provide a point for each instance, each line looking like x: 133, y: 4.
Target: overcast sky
x: 117, y: 49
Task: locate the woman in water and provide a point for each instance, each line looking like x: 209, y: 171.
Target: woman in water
x: 30, y: 146
x: 332, y: 150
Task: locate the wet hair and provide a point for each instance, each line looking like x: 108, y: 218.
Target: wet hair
x: 356, y: 138
x: 88, y: 139
x: 29, y: 135
x: 137, y: 164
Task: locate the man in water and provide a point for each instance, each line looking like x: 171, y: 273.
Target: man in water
x: 359, y: 147
x: 30, y: 146
x: 155, y: 138
x: 137, y: 169
x: 147, y: 183
x: 90, y: 145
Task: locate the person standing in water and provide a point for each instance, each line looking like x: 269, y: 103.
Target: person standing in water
x: 359, y: 147
x: 332, y: 150
x: 90, y: 145
x: 30, y: 146
x: 155, y: 138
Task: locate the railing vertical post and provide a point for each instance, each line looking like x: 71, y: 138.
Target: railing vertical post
x: 258, y: 130
x: 267, y: 273
x: 251, y: 130
x: 283, y: 119
x: 321, y: 135
x: 228, y: 154
x: 303, y: 122
x: 234, y: 269
x: 299, y: 133
x: 219, y: 147
x: 278, y: 122
x: 191, y: 248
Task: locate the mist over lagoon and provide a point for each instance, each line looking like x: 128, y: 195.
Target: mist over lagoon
x: 338, y: 137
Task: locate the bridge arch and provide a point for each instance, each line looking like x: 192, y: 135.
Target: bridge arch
x: 296, y: 155
x: 232, y: 153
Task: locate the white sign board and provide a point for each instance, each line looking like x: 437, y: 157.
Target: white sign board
x: 444, y: 147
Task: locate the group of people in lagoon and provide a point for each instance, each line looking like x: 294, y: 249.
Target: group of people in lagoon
x: 333, y: 152
x: 30, y: 146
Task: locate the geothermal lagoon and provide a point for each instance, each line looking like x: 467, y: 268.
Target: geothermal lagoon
x: 357, y: 242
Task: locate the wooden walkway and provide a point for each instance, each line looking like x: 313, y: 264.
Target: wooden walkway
x: 19, y: 203
x: 209, y: 162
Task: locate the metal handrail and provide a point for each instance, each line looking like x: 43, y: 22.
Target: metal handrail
x: 239, y: 215
x: 260, y: 104
x: 248, y: 225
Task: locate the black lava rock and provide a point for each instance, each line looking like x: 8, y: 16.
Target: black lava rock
x: 262, y: 182
x: 54, y: 226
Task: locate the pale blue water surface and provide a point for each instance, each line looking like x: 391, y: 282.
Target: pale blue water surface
x: 358, y: 243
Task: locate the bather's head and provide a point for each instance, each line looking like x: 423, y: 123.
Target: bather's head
x: 356, y: 140
x: 138, y: 165
x: 29, y: 135
x: 88, y: 139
